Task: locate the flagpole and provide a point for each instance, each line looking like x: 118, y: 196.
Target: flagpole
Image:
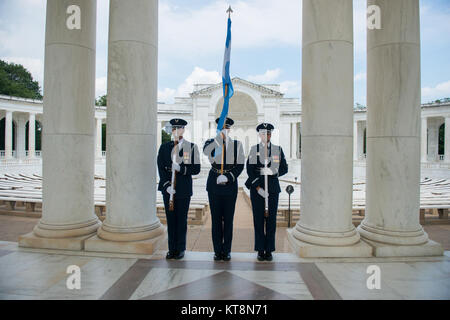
x: 229, y: 11
x: 266, y: 180
x: 223, y: 136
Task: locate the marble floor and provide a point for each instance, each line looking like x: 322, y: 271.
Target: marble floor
x: 41, y: 274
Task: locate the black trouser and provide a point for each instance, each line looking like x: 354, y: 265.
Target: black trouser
x: 177, y: 222
x: 222, y: 215
x: 264, y: 227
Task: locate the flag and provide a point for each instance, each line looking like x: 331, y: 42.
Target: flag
x: 226, y: 79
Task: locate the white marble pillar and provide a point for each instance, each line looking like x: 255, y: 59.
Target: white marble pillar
x: 355, y: 140
x: 325, y: 228
x: 424, y: 140
x: 98, y: 138
x: 68, y: 216
x: 31, y: 135
x: 8, y: 134
x: 360, y: 133
x: 20, y: 143
x: 447, y: 140
x: 294, y: 137
x: 433, y: 140
x: 158, y: 135
x: 391, y: 224
x: 285, y: 138
x: 131, y: 223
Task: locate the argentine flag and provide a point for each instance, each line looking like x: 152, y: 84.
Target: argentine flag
x: 226, y: 80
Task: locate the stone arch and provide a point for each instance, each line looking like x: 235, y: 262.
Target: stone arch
x: 243, y: 110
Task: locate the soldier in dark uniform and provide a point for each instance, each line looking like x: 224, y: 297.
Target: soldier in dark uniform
x: 223, y: 187
x: 184, y: 159
x: 265, y: 227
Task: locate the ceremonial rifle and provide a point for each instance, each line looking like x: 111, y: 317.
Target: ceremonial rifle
x: 174, y: 173
x: 266, y: 181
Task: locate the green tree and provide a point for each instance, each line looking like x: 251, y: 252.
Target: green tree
x: 17, y: 81
x: 101, y: 101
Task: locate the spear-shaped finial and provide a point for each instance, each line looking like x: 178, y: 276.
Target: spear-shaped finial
x: 229, y: 11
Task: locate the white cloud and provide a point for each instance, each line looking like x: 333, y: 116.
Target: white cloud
x: 166, y: 95
x: 35, y: 66
x: 291, y: 88
x: 201, y: 31
x: 442, y: 90
x: 198, y: 76
x: 269, y: 76
x: 100, y: 86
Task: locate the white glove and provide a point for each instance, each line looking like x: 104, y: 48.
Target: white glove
x: 222, y: 179
x: 262, y: 193
x: 266, y: 172
x: 171, y: 190
x: 175, y: 167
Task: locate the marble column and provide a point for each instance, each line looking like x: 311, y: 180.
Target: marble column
x: 68, y: 216
x: 294, y: 136
x: 8, y: 134
x: 355, y: 140
x: 424, y: 140
x: 447, y: 140
x: 98, y: 138
x: 20, y: 143
x: 433, y: 140
x: 131, y: 223
x: 361, y: 127
x: 158, y: 135
x: 285, y: 138
x: 391, y: 224
x: 31, y: 135
x: 325, y: 228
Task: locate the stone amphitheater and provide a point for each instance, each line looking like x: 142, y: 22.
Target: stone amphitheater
x: 21, y: 195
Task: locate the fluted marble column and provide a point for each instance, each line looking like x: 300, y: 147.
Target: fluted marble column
x: 424, y: 140
x: 68, y: 216
x: 294, y: 141
x: 158, y: 135
x: 20, y: 143
x: 31, y: 136
x: 98, y: 138
x: 391, y: 224
x: 433, y: 140
x: 8, y: 135
x: 325, y: 227
x: 131, y: 223
x: 355, y: 140
x: 447, y: 140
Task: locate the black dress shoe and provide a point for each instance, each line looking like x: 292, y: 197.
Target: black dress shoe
x: 217, y: 256
x: 170, y: 255
x: 226, y: 257
x: 179, y: 255
x: 269, y: 256
x: 261, y: 256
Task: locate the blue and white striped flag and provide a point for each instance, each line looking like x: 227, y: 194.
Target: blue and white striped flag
x: 226, y: 80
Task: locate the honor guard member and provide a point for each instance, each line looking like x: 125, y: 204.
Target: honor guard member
x: 265, y: 226
x: 178, y: 161
x: 222, y: 187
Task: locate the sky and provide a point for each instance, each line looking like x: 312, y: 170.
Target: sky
x: 266, y: 44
